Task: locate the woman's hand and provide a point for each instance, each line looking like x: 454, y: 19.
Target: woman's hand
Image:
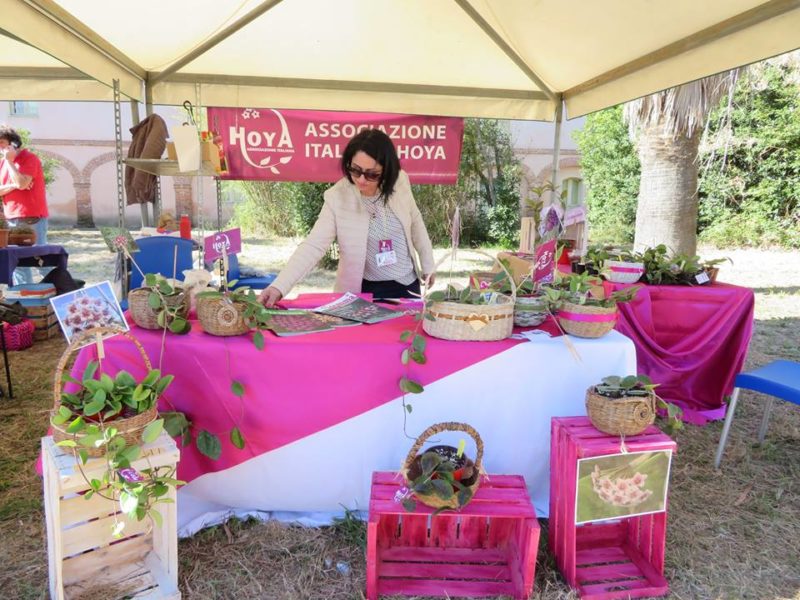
x: 270, y: 296
x: 431, y: 279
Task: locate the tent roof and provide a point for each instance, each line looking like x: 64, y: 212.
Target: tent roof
x: 487, y: 58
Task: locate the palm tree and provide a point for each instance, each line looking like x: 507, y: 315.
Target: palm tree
x: 666, y: 128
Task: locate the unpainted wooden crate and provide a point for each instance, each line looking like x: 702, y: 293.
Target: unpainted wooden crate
x: 44, y: 320
x: 488, y: 548
x: 84, y: 558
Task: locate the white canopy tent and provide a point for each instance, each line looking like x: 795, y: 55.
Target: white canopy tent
x: 513, y: 59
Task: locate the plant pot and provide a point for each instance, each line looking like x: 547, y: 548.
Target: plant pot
x: 145, y: 316
x: 623, y: 272
x: 221, y: 317
x: 4, y: 238
x: 629, y: 415
x: 21, y: 239
x: 530, y: 311
x: 587, y: 321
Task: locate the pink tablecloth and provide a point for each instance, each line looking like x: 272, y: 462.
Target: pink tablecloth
x: 691, y: 340
x: 295, y: 387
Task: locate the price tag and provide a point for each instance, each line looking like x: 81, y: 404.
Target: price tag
x: 702, y: 277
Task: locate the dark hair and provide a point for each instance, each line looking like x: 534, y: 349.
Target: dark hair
x: 380, y: 148
x: 11, y: 136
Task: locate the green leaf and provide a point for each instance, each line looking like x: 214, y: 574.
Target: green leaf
x: 179, y: 326
x: 405, y: 335
x: 404, y: 356
x: 409, y: 408
x: 128, y: 454
x: 175, y: 423
x: 67, y: 378
x: 151, y: 377
x: 628, y: 382
x: 419, y: 343
x: 67, y: 444
x: 237, y: 439
x: 76, y: 425
x: 152, y: 431
x: 161, y: 319
x: 163, y: 384
x: 84, y: 456
x: 150, y: 279
x: 153, y: 300
x: 165, y: 288
x: 464, y: 496
x: 258, y: 340
x: 124, y: 379
x: 90, y: 370
x: 429, y: 462
x: 237, y: 388
x: 140, y: 393
x: 438, y: 296
x: 409, y: 386
x: 442, y: 489
x: 96, y: 405
x: 409, y: 504
x: 158, y: 520
x: 208, y: 444
x: 419, y: 358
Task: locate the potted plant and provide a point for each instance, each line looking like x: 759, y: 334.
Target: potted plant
x: 627, y: 405
x: 228, y: 312
x: 531, y: 306
x: 582, y: 313
x: 158, y: 304
x: 21, y: 236
x: 112, y: 418
x: 623, y: 266
x: 711, y: 267
x: 442, y: 476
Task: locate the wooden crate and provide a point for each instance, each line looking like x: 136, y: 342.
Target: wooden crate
x: 44, y: 320
x: 488, y: 548
x: 83, y: 556
x: 619, y: 559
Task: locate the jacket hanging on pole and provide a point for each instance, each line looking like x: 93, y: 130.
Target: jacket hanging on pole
x: 149, y: 141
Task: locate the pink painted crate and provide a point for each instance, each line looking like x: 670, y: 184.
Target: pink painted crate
x: 619, y: 559
x: 488, y: 548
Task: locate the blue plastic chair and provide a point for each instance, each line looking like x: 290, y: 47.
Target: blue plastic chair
x: 254, y: 283
x: 156, y: 256
x: 778, y: 379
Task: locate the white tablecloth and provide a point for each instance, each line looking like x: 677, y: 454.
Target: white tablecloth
x: 508, y: 398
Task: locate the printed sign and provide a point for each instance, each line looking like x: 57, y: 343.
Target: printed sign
x: 304, y: 145
x: 544, y: 268
x: 230, y: 241
x: 622, y: 485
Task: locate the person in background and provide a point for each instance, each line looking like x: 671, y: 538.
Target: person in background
x: 22, y: 188
x: 384, y: 248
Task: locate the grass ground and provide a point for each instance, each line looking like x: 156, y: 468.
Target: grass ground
x: 731, y: 534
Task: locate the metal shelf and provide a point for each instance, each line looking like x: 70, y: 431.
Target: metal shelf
x: 169, y: 168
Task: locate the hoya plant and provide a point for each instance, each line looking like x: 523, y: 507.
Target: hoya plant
x: 437, y: 477
x: 615, y: 387
x: 168, y: 303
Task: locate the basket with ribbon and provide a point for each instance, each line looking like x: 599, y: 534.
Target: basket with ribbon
x: 442, y: 476
x: 469, y: 314
x: 102, y: 402
x: 619, y: 271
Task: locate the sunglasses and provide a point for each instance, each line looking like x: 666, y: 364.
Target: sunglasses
x: 356, y: 172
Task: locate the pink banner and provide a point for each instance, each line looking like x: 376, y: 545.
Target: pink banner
x: 305, y: 145
x: 545, y: 262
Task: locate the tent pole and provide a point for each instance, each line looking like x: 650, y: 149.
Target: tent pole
x: 556, y: 148
x: 122, y: 263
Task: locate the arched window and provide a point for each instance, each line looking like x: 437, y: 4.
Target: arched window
x: 575, y: 191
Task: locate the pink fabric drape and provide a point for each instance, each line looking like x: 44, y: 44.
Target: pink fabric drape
x: 691, y: 340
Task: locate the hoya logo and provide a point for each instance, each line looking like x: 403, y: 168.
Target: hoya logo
x: 264, y: 142
x: 221, y: 242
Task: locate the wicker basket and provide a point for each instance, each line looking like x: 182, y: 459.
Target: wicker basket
x: 623, y: 272
x: 411, y: 468
x: 220, y: 316
x: 131, y: 428
x: 530, y: 311
x: 473, y: 322
x: 147, y: 318
x: 579, y: 319
x: 620, y: 416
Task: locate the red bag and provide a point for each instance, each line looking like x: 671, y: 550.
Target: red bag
x: 19, y: 336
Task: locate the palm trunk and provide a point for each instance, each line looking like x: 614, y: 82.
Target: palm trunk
x: 667, y: 207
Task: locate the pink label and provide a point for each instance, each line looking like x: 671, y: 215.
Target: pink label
x: 545, y: 262
x: 130, y: 475
x: 230, y: 241
x: 305, y: 145
x: 588, y: 318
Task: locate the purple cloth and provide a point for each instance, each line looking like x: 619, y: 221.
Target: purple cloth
x: 691, y: 340
x: 13, y: 256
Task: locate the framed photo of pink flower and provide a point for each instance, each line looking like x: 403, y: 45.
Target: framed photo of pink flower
x: 86, y: 308
x: 622, y: 485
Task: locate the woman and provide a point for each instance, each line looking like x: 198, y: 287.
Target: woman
x: 373, y: 216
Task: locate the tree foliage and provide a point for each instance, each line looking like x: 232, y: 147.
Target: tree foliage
x: 611, y: 171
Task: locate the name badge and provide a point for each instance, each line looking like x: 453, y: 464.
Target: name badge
x: 384, y: 259
x: 385, y: 246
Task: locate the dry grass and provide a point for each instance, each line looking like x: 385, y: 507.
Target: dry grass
x: 732, y: 534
